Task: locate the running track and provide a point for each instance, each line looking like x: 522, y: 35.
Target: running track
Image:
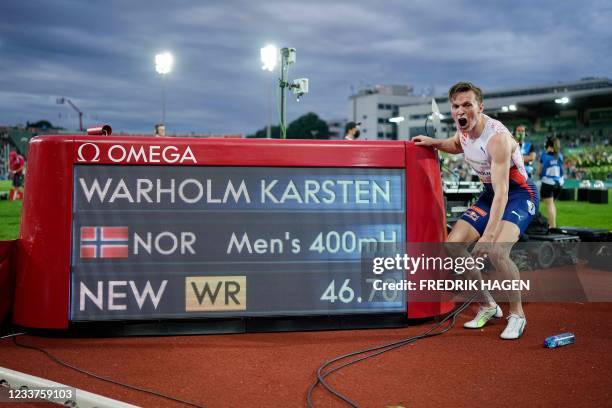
x: 462, y: 368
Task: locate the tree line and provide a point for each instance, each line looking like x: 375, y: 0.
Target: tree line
x: 308, y: 126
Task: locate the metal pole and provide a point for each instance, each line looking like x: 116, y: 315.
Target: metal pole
x: 354, y: 98
x: 163, y: 99
x: 283, y: 83
x: 62, y: 100
x: 269, y: 129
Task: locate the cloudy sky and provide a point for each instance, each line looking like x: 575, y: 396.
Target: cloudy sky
x: 100, y: 54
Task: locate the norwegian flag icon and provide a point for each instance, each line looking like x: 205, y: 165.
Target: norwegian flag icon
x: 104, y: 242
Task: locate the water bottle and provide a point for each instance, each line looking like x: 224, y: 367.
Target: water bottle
x: 559, y: 340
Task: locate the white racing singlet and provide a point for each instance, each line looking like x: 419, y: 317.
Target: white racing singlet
x: 478, y: 157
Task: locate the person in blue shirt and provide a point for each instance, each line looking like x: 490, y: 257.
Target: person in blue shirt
x: 527, y: 149
x: 551, y: 175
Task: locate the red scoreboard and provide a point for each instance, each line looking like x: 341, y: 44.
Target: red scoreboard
x: 155, y: 229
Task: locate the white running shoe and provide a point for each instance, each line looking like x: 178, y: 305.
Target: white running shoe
x: 485, y: 313
x: 514, y: 329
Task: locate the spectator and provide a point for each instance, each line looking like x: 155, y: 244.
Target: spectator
x: 551, y: 174
x: 160, y: 130
x: 16, y: 165
x: 351, y: 131
x: 527, y: 149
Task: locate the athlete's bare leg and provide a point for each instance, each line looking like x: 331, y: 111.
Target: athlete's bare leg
x: 463, y: 232
x: 551, y: 211
x: 505, y: 267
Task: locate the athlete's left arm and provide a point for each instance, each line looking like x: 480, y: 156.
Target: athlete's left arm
x: 500, y: 149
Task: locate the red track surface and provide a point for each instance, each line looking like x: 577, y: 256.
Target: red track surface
x: 460, y: 368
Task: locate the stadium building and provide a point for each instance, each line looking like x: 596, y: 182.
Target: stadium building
x: 374, y: 106
x: 336, y: 128
x: 579, y: 112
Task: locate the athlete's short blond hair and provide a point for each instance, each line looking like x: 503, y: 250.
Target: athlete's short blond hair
x: 465, y: 87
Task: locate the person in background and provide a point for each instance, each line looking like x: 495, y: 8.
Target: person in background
x: 160, y: 130
x: 16, y: 165
x: 527, y: 149
x: 351, y: 131
x: 551, y: 175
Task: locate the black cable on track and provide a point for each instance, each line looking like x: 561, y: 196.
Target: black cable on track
x: 99, y: 377
x: 375, y: 351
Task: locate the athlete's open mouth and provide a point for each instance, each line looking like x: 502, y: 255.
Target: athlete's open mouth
x: 462, y: 122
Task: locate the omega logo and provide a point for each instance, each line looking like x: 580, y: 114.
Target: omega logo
x: 84, y: 153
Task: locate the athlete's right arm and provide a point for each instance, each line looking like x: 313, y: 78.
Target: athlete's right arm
x: 450, y: 145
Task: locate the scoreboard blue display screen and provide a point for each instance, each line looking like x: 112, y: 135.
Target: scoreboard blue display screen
x: 185, y: 242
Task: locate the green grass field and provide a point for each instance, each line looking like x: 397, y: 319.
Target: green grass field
x: 10, y: 215
x: 10, y: 219
x: 580, y: 214
x: 569, y: 213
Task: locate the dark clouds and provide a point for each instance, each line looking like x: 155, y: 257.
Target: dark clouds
x: 100, y: 54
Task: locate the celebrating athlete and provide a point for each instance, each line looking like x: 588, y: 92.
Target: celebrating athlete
x: 506, y: 206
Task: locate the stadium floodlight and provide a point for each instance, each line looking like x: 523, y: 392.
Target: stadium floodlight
x: 397, y: 119
x: 163, y: 63
x: 512, y: 108
x: 163, y: 66
x: 287, y: 57
x: 504, y: 108
x: 562, y: 101
x: 269, y: 57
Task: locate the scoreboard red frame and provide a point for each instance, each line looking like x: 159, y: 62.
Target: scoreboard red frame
x: 42, y: 292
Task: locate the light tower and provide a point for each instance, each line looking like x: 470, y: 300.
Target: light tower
x: 269, y: 59
x: 163, y: 66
